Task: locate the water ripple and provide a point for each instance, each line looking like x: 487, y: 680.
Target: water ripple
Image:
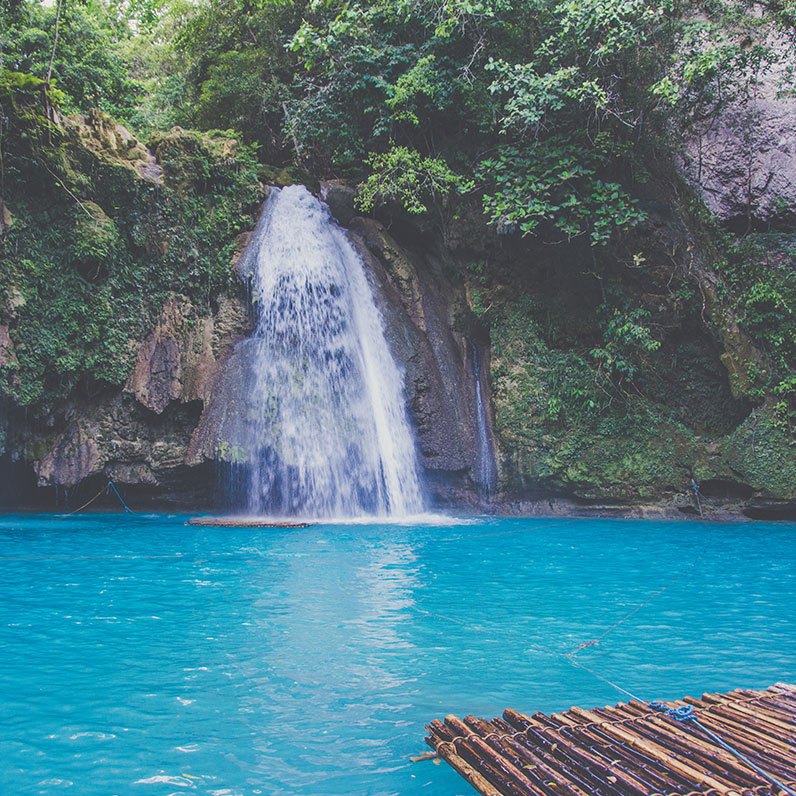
x: 141, y: 656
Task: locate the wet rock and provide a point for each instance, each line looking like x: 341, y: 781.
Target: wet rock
x: 140, y: 436
x: 6, y: 219
x: 156, y: 380
x: 221, y: 433
x: 73, y: 458
x: 178, y: 359
x: 116, y: 439
x: 339, y: 195
x: 743, y: 162
x: 420, y: 306
x: 422, y: 309
x: 131, y: 473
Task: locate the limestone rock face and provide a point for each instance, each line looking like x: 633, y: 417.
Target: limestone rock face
x: 426, y: 318
x: 141, y: 435
x: 186, y: 397
x: 178, y: 359
x: 73, y: 457
x: 743, y: 161
x: 117, y: 439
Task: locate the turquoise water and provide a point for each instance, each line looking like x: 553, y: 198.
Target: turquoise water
x: 140, y: 656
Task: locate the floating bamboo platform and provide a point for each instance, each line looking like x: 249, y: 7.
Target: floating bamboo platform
x: 629, y: 749
x: 245, y: 522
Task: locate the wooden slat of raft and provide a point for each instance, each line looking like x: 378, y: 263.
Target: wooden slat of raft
x: 245, y: 522
x: 601, y: 770
x: 628, y: 749
x: 624, y: 769
x: 694, y: 745
x: 535, y: 727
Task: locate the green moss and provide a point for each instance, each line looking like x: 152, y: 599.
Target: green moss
x: 557, y: 420
x: 643, y: 457
x: 289, y: 175
x: 96, y: 250
x: 199, y: 161
x: 95, y: 239
x: 762, y: 454
x: 227, y: 452
x: 755, y: 306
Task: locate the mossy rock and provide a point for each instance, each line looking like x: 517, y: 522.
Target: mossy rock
x: 194, y: 161
x: 650, y: 459
x: 762, y: 454
x: 282, y: 176
x: 95, y: 241
x: 555, y: 421
x: 95, y: 251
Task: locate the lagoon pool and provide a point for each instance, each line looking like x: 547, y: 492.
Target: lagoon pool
x: 140, y: 656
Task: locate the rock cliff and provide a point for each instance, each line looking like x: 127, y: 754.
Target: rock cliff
x: 742, y: 157
x: 615, y: 377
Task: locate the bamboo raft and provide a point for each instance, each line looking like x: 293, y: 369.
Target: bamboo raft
x: 629, y: 749
x: 245, y: 522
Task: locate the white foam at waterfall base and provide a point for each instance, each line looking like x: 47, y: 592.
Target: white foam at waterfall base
x: 328, y: 431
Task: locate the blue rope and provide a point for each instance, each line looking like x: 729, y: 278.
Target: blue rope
x: 112, y: 486
x: 683, y: 713
x: 686, y: 713
x: 695, y: 488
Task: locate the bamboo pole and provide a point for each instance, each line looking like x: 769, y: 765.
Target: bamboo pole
x: 608, y: 772
x: 446, y: 751
x: 560, y: 773
x: 522, y: 756
x: 493, y: 750
x: 694, y: 746
x: 627, y: 749
x: 484, y: 765
x: 649, y: 769
x: 726, y: 723
x: 647, y: 762
x: 660, y: 753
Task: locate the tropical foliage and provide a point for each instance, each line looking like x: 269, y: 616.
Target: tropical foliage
x: 541, y: 117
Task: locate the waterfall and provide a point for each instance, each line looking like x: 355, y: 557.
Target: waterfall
x: 328, y: 433
x: 485, y: 474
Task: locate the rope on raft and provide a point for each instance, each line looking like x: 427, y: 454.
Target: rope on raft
x: 686, y: 713
x: 682, y: 714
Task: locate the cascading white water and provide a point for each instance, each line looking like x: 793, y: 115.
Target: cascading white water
x: 486, y: 470
x: 329, y: 436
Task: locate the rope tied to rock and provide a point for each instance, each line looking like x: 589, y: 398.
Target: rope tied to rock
x: 112, y: 488
x: 109, y: 488
x: 697, y: 490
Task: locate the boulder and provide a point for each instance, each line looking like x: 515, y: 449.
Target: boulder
x: 340, y: 196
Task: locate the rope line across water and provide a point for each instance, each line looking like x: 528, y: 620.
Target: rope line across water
x: 107, y: 489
